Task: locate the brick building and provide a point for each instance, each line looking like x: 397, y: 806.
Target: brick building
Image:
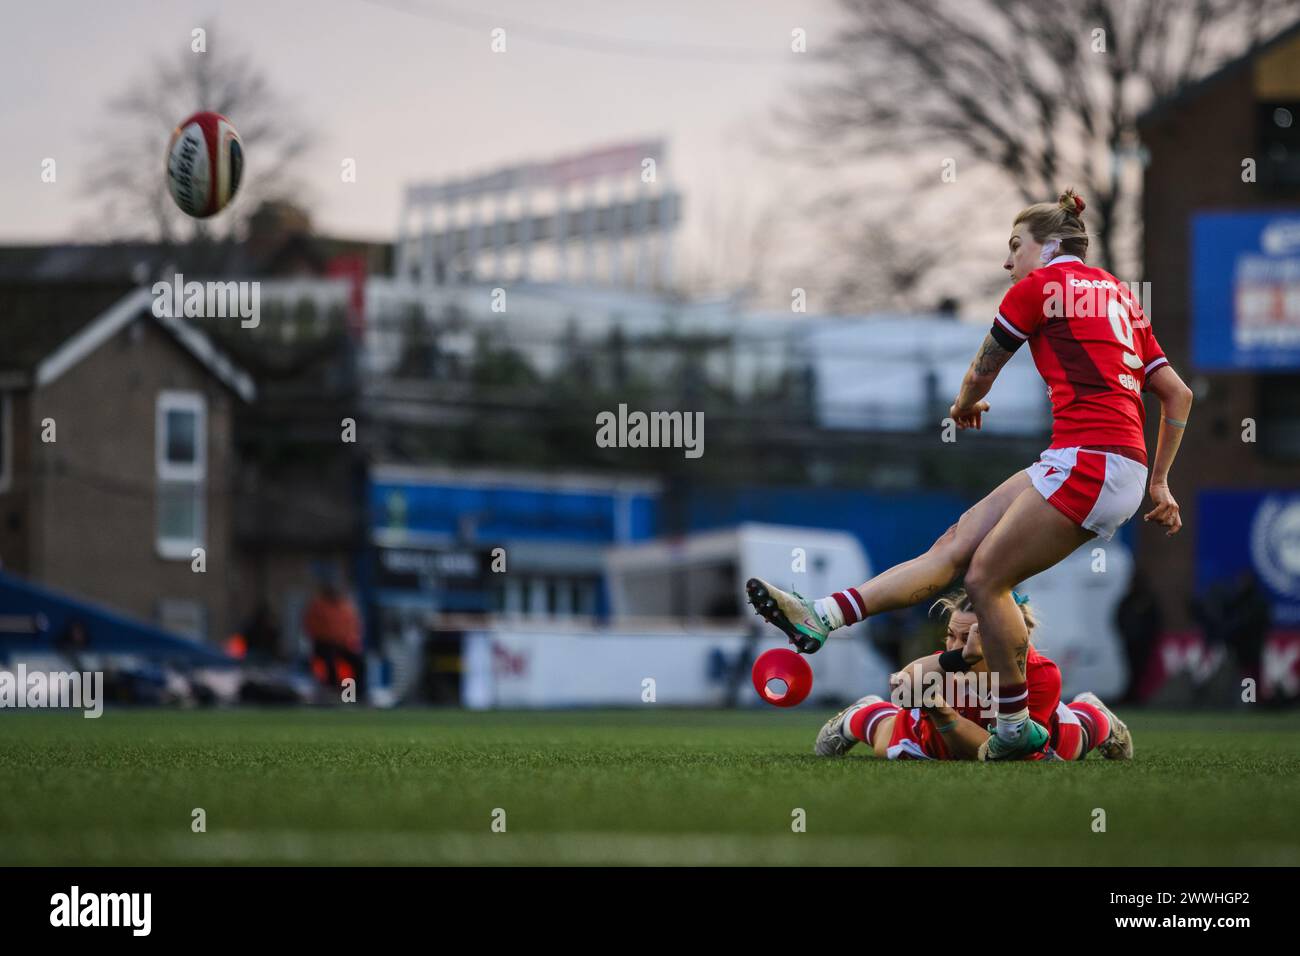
x: 1221, y: 192
x: 117, y: 461
x: 277, y: 494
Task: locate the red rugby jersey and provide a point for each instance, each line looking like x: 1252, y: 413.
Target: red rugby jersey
x: 1093, y: 345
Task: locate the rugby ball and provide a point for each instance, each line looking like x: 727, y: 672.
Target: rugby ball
x: 205, y: 160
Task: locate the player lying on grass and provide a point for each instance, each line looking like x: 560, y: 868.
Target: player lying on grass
x: 953, y: 729
x: 1095, y: 350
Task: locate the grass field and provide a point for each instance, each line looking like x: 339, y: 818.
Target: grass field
x: 634, y: 787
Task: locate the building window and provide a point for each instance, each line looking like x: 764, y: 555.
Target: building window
x: 6, y: 443
x: 537, y: 594
x: 512, y: 597
x: 546, y: 597
x: 182, y: 466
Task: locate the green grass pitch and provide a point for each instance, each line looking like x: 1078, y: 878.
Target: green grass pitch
x: 658, y: 787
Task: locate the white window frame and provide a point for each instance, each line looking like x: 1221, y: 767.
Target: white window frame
x: 168, y: 473
x: 172, y: 401
x: 6, y: 442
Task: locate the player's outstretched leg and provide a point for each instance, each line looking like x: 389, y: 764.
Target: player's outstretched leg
x: 905, y: 584
x: 789, y: 611
x: 836, y: 737
x: 1110, y: 735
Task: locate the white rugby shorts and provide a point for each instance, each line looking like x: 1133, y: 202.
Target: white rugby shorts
x: 1097, y: 490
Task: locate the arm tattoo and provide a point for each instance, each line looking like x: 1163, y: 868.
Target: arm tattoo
x: 992, y: 356
x: 921, y: 593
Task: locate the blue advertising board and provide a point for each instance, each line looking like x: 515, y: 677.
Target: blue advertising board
x: 1245, y: 276
x: 1255, y: 531
x: 514, y: 510
x: 434, y: 533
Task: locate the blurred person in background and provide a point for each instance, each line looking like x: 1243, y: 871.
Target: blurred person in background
x: 1251, y: 618
x: 1139, y: 621
x: 333, y: 625
x: 73, y: 643
x: 262, y: 633
x: 1235, y: 616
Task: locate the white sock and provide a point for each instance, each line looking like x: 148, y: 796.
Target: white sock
x: 1010, y: 726
x: 829, y: 611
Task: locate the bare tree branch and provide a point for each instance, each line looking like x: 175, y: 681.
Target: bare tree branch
x: 131, y: 190
x: 1047, y: 94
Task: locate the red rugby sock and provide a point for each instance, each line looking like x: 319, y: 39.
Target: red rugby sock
x: 1095, y: 725
x: 864, y: 721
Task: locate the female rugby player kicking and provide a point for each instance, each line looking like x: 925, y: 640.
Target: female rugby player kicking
x: 1094, y: 347
x: 951, y: 729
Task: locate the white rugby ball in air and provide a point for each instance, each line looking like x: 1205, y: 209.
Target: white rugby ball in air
x: 205, y: 159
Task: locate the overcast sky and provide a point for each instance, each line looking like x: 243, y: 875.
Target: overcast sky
x: 414, y: 96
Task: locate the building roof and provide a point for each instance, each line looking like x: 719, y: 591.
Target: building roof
x: 137, y: 262
x: 45, y: 330
x: 126, y: 262
x: 1193, y: 91
x: 51, y: 294
x: 37, y: 317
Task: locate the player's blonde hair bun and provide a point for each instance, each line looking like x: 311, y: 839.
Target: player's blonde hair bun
x: 1072, y: 203
x: 1061, y: 220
